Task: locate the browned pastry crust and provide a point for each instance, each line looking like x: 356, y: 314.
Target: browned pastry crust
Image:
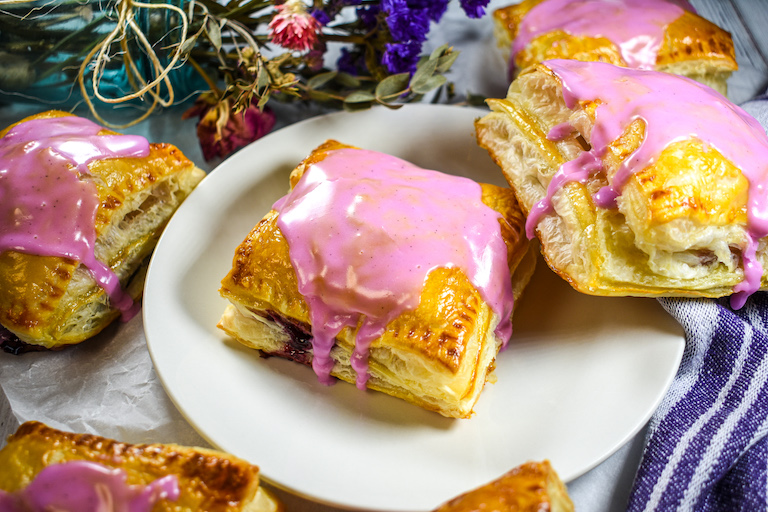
x: 208, y: 480
x: 436, y: 356
x: 692, y: 47
x: 51, y: 301
x: 530, y: 487
x: 680, y: 220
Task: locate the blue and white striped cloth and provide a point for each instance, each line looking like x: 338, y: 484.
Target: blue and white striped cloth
x: 707, y: 444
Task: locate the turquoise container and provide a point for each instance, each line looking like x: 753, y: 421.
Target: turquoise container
x: 43, y: 43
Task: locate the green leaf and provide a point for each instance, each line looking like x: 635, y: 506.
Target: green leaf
x: 359, y: 97
x: 214, y: 33
x: 423, y: 74
x: 319, y: 95
x: 433, y: 82
x: 347, y: 80
x: 318, y: 81
x: 263, y: 100
x: 477, y: 100
x: 392, y: 86
x: 356, y: 107
x: 188, y: 45
x: 392, y: 106
x: 439, y: 52
x: 445, y: 62
x: 262, y: 78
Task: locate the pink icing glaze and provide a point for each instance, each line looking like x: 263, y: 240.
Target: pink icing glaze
x: 560, y: 131
x: 81, y: 486
x: 673, y: 108
x: 46, y: 206
x: 636, y: 27
x: 365, y: 228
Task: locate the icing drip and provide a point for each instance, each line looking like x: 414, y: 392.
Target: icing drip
x: 47, y: 205
x: 364, y: 229
x: 673, y: 108
x: 636, y: 27
x: 81, y: 486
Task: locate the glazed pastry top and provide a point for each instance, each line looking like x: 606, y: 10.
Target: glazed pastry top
x: 671, y: 110
x: 81, y: 208
x: 636, y: 27
x: 665, y: 35
x: 47, y: 208
x: 365, y: 229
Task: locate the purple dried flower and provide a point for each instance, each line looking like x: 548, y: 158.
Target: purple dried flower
x: 474, y: 8
x: 352, y: 62
x: 435, y: 9
x: 321, y: 16
x: 407, y: 25
x: 401, y: 57
x: 368, y: 16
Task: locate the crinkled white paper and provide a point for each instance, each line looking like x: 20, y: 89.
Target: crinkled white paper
x: 106, y: 386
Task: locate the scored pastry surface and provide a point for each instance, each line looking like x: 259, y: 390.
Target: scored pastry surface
x: 52, y: 301
x: 691, y: 45
x: 436, y: 355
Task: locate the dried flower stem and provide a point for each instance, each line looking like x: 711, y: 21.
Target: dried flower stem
x: 126, y: 20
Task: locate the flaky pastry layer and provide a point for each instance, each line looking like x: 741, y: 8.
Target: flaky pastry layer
x: 680, y: 223
x: 52, y: 301
x: 436, y: 356
x: 532, y: 486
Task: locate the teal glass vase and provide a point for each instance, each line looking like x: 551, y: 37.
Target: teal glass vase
x: 43, y: 44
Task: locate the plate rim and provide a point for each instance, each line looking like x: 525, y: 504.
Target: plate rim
x: 233, y: 162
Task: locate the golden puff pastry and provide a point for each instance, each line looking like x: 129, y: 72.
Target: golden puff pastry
x: 431, y: 341
x: 664, y: 35
x: 636, y: 182
x: 206, y: 479
x: 81, y: 211
x: 530, y: 487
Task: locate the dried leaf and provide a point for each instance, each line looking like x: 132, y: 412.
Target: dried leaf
x: 439, y: 52
x: 263, y: 100
x: 262, y: 78
x: 213, y: 30
x: 188, y: 45
x: 318, y: 81
x: 356, y: 107
x: 423, y: 74
x: 393, y: 106
x: 319, y: 95
x: 359, y: 97
x: 476, y: 100
x: 433, y: 82
x: 392, y: 86
x: 347, y: 80
x: 445, y: 62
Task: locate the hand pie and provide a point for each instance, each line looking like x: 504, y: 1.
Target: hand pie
x: 383, y: 274
x: 81, y: 209
x: 529, y: 487
x: 636, y: 182
x: 664, y: 35
x: 187, y: 479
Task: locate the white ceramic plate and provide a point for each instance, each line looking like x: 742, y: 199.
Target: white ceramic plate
x: 580, y: 377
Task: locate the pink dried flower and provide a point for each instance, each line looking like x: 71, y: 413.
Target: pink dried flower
x: 222, y: 131
x: 293, y: 27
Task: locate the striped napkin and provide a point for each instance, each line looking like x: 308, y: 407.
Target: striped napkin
x: 707, y: 444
